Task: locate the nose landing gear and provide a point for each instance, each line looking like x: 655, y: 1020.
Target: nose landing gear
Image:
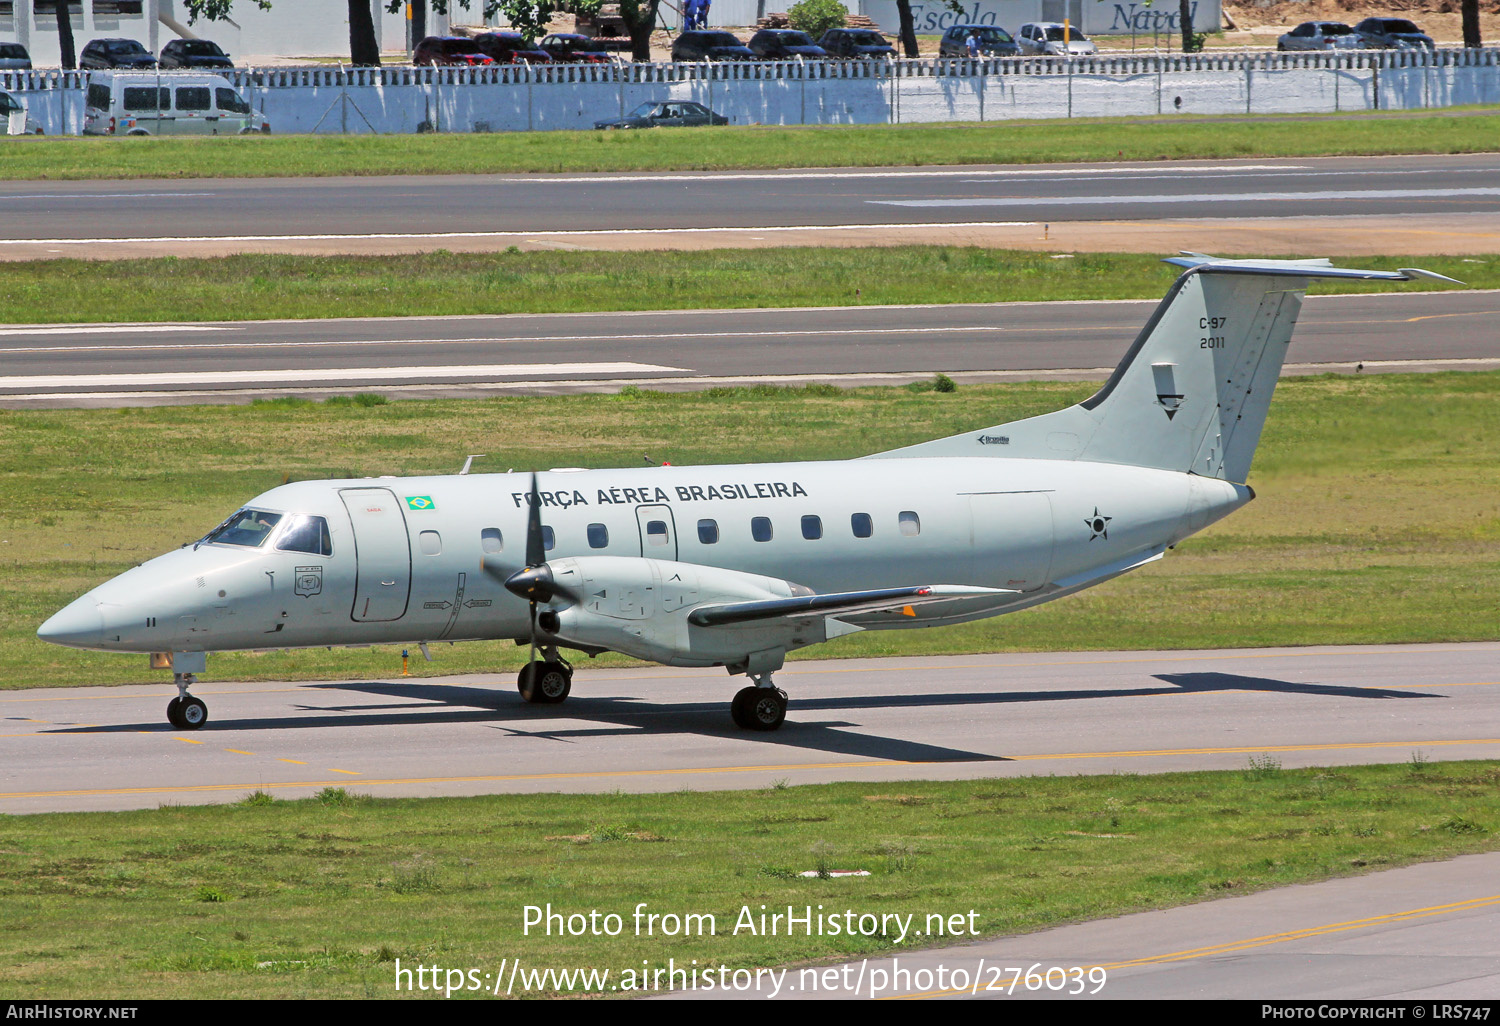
x: 546, y: 681
x: 186, y: 712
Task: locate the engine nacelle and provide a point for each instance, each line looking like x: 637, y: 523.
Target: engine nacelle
x: 640, y: 607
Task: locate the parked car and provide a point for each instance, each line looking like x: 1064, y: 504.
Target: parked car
x: 785, y: 45
x: 1392, y: 34
x: 13, y: 117
x: 572, y: 48
x: 104, y: 54
x: 449, y: 51
x: 510, y: 48
x: 1319, y: 35
x: 1045, y: 38
x: 194, y: 53
x: 857, y: 43
x: 993, y: 41
x: 13, y: 57
x: 652, y: 114
x: 710, y: 46
x: 184, y: 103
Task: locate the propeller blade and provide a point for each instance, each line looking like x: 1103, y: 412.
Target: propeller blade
x: 536, y: 553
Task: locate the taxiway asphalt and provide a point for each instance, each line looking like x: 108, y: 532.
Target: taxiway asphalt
x: 146, y: 364
x: 661, y: 729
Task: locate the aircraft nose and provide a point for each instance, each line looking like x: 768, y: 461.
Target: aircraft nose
x: 77, y: 625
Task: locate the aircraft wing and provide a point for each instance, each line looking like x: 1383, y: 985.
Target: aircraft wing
x: 836, y: 603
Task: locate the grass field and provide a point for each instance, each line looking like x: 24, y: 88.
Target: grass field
x: 1024, y: 142
x: 255, y: 287
x: 321, y: 897
x: 1377, y: 520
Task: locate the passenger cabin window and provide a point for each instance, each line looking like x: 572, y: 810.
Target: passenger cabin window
x: 656, y: 532
x: 812, y: 528
x: 598, y: 536
x: 230, y: 101
x: 911, y: 524
x: 490, y: 540
x: 147, y: 98
x: 430, y: 542
x: 194, y: 98
x: 760, y: 528
x: 247, y: 527
x: 549, y: 538
x: 306, y: 534
x: 708, y: 531
x: 862, y: 525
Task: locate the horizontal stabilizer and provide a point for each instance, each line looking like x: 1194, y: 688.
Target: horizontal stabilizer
x: 836, y: 603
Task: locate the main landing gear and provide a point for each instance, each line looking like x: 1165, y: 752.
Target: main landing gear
x: 546, y: 681
x: 762, y: 706
x: 186, y: 712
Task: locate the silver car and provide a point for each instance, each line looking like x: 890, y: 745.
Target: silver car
x: 1045, y: 38
x: 1320, y: 35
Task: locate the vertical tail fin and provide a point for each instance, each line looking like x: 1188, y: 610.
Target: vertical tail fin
x: 1192, y: 392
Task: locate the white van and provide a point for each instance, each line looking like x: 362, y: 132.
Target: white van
x: 14, y: 117
x: 167, y: 103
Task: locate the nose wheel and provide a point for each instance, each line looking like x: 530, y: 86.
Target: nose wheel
x: 186, y: 712
x: 545, y: 682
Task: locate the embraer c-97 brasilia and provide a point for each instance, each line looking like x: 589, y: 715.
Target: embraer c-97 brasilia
x: 736, y: 566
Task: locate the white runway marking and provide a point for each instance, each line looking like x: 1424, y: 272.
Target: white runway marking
x: 302, y: 377
x: 970, y: 172
x: 1202, y: 197
x: 664, y: 336
x: 104, y: 329
x: 577, y: 232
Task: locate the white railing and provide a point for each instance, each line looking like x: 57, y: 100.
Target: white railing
x: 398, y: 99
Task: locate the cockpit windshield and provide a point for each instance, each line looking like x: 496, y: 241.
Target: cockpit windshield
x: 247, y: 527
x: 304, y: 533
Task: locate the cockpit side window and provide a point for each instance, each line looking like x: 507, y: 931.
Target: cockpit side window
x: 247, y: 527
x: 306, y: 534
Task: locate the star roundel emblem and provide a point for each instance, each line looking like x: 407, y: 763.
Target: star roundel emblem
x: 1099, y: 525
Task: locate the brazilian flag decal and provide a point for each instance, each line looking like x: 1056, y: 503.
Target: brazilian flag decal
x: 420, y: 502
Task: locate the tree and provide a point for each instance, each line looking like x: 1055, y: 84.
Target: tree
x: 1470, y: 11
x: 364, y: 48
x: 640, y: 21
x: 528, y: 17
x: 817, y: 16
x: 1185, y: 15
x: 908, y: 28
x: 65, y: 36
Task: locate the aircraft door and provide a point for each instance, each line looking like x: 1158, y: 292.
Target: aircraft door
x: 1012, y: 531
x: 658, y: 532
x: 383, y: 552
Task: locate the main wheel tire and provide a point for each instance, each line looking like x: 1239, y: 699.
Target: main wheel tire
x: 739, y: 709
x: 759, y: 708
x: 174, y: 714
x: 192, y: 714
x: 544, y: 683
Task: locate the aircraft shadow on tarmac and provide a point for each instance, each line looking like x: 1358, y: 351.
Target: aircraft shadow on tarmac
x: 591, y: 716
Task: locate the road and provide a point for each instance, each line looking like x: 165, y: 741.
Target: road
x: 661, y: 729
x: 59, y: 365
x: 379, y: 214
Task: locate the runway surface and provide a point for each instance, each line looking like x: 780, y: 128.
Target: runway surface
x: 659, y: 729
x: 60, y: 365
x: 106, y: 219
x: 1421, y: 933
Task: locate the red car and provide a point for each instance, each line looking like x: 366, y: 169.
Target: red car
x: 450, y: 50
x: 572, y: 48
x: 510, y: 48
